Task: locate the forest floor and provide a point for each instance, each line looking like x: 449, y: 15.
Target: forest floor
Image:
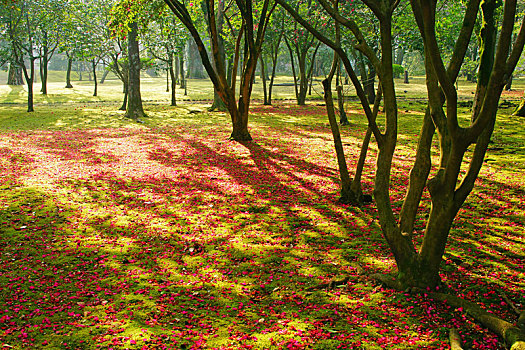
x: 164, y: 235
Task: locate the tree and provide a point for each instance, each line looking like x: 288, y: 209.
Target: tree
x: 165, y: 42
x: 52, y: 12
x: 21, y: 21
x: 302, y: 47
x: 254, y: 18
x: 134, y: 109
x: 272, y: 42
x: 447, y: 189
x: 91, y: 34
x: 126, y: 16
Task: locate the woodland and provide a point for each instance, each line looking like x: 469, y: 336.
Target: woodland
x: 262, y: 174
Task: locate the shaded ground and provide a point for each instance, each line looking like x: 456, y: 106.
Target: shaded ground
x: 171, y: 237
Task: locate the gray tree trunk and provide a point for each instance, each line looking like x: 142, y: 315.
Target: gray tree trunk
x: 134, y: 109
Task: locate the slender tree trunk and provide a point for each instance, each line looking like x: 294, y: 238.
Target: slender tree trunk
x: 343, y: 119
x: 79, y: 70
x: 125, y: 102
x: 292, y: 61
x: 44, y: 64
x: 218, y: 103
x: 173, y: 77
x: 30, y: 78
x: 104, y: 76
x: 303, y: 80
x: 182, y: 74
x: 167, y: 79
x: 68, y: 71
x: 346, y: 193
x: 176, y: 67
x: 263, y: 78
x: 134, y: 109
x: 94, y: 66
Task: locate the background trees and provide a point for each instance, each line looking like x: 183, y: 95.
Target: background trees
x: 254, y: 17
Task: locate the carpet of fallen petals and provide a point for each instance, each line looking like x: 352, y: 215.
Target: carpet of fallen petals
x: 175, y: 238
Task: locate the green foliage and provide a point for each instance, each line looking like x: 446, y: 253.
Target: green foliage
x: 398, y: 70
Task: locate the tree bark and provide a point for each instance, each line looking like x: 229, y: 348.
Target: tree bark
x: 343, y: 119
x: 173, y: 77
x: 30, y: 78
x: 263, y: 78
x: 94, y: 67
x: 508, y: 86
x: 104, y: 76
x: 68, y: 71
x: 347, y: 196
x: 134, y: 109
x: 44, y: 63
x: 125, y: 102
x: 14, y: 75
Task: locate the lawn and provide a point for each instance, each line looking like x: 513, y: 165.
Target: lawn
x: 165, y: 235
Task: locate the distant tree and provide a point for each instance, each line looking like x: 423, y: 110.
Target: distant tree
x: 165, y: 41
x: 126, y: 16
x: 20, y: 21
x: 303, y: 47
x: 271, y: 49
x: 253, y: 18
x: 92, y: 38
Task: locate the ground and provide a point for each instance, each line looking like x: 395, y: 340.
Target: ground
x: 167, y: 235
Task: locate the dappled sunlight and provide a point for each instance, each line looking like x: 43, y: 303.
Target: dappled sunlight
x: 140, y: 235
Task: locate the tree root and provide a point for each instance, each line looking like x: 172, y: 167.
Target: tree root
x: 513, y: 336
x: 455, y: 339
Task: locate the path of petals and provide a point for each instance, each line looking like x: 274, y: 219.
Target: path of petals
x: 173, y: 238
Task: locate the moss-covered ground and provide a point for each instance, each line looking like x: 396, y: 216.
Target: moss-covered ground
x: 165, y: 235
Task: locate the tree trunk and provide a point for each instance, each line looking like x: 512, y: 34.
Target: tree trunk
x: 94, y: 66
x: 14, y: 76
x: 195, y: 67
x: 292, y: 62
x: 167, y: 79
x: 263, y: 78
x: 43, y: 64
x: 347, y: 196
x: 272, y: 79
x: 400, y: 55
x: 173, y: 77
x: 79, y: 70
x: 104, y: 76
x: 240, y: 126
x: 125, y: 102
x: 508, y: 86
x: 134, y: 109
x: 367, y: 78
x: 303, y: 80
x: 343, y: 119
x: 176, y: 68
x: 68, y: 71
x: 370, y: 84
x: 30, y: 76
x: 182, y: 75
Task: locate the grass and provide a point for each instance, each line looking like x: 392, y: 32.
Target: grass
x: 165, y: 235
